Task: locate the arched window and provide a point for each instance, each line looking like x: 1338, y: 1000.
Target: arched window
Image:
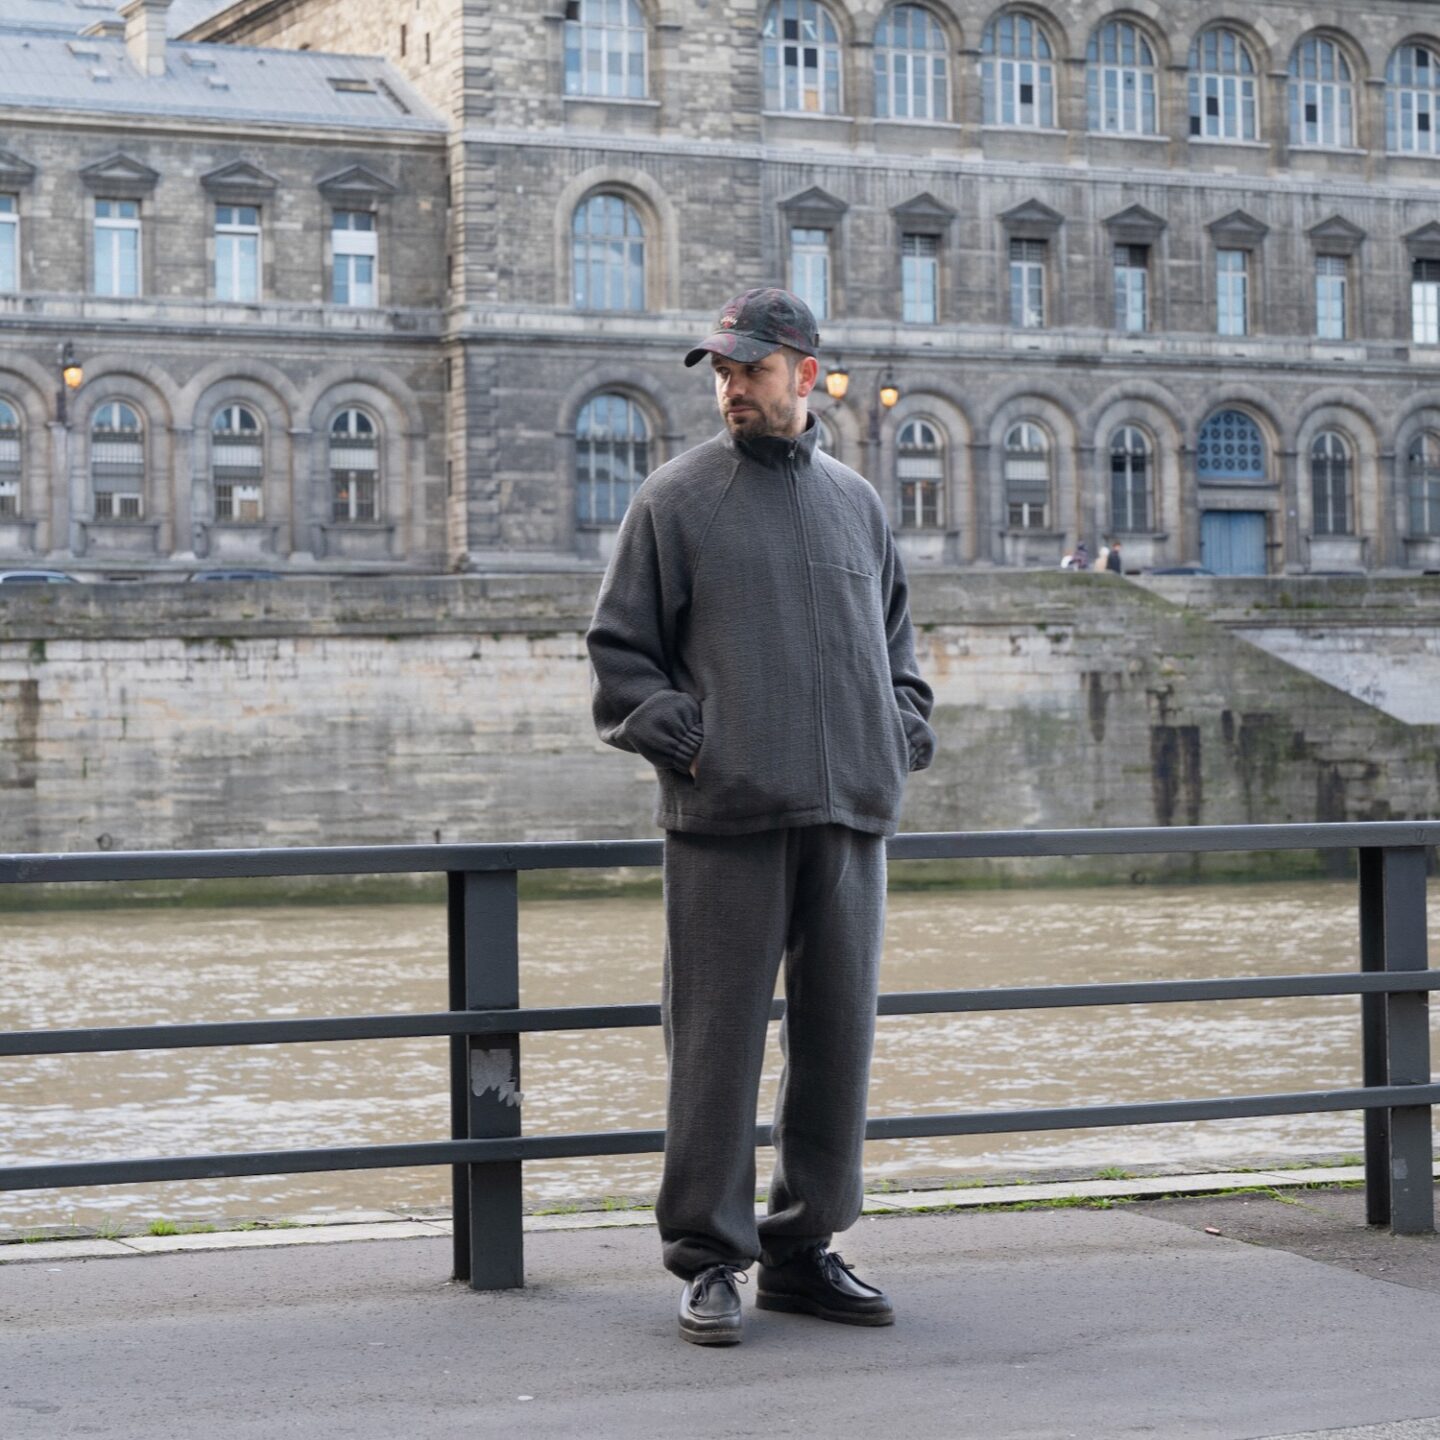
x: 1330, y: 484
x: 117, y: 463
x: 1412, y: 104
x: 800, y: 45
x: 1017, y: 73
x: 1130, y: 480
x: 1322, y: 95
x: 1230, y: 448
x: 1120, y: 80
x: 612, y: 457
x: 605, y: 44
x: 1422, y: 472
x: 609, y: 247
x: 1222, y: 87
x: 9, y: 460
x: 912, y: 77
x: 1027, y: 477
x: 237, y: 466
x: 354, y: 469
x: 920, y: 475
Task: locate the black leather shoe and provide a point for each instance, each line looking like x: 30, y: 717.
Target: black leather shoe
x: 710, y: 1307
x: 819, y: 1282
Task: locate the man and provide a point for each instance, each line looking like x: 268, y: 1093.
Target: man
x: 1113, y: 563
x: 752, y: 640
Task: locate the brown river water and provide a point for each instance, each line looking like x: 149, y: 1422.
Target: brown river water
x: 146, y: 966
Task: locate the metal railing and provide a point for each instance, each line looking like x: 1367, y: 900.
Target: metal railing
x: 485, y: 1023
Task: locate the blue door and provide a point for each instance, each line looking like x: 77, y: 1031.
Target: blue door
x: 1232, y: 542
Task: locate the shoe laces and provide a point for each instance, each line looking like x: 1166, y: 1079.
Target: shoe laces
x: 832, y: 1265
x: 715, y: 1275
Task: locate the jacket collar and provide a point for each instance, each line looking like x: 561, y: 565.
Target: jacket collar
x: 775, y: 451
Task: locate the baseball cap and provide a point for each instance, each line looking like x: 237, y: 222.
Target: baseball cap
x: 758, y: 323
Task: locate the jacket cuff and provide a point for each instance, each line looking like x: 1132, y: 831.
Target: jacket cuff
x: 688, y: 746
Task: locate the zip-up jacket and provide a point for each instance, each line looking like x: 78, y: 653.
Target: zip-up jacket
x: 755, y: 615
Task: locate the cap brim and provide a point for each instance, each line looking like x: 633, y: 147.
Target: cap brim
x: 732, y: 347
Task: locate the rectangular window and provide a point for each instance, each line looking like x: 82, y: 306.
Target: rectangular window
x: 355, y: 246
x: 117, y: 247
x: 1232, y: 299
x: 1331, y: 274
x: 920, y: 279
x: 810, y: 269
x: 1132, y: 287
x: 1425, y: 302
x: 1027, y: 284
x: 118, y: 505
x: 9, y: 244
x: 237, y: 253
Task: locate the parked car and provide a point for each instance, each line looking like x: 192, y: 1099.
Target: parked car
x: 235, y: 575
x: 36, y: 577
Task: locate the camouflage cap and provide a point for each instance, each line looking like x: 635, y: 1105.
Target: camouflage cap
x: 758, y: 323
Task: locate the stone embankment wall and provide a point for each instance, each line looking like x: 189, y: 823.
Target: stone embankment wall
x: 457, y: 709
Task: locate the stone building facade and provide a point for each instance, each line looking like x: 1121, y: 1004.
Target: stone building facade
x: 244, y: 253
x: 1165, y: 272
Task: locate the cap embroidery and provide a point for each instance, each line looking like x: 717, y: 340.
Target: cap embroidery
x: 726, y: 321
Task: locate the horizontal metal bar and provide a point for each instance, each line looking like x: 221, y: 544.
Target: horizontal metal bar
x: 638, y: 1142
x: 95, y: 1040
x: 604, y: 854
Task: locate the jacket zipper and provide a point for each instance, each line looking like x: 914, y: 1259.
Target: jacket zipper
x: 794, y: 483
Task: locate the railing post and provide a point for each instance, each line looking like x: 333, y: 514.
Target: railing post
x: 485, y: 950
x: 1376, y: 1064
x: 459, y: 1083
x: 1412, y: 1188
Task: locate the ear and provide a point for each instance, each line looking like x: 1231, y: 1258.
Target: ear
x: 806, y: 374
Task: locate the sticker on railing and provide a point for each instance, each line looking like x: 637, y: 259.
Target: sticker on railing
x: 491, y: 1070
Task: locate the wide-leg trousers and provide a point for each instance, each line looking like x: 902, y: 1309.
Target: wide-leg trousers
x: 735, y: 907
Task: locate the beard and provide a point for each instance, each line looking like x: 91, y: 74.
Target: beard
x: 753, y: 421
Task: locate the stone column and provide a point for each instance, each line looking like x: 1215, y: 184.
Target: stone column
x: 984, y: 544
x: 1295, y: 560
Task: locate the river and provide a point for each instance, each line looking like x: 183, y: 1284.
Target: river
x: 143, y: 966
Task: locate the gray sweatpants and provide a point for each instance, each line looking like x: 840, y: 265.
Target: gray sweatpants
x: 734, y: 905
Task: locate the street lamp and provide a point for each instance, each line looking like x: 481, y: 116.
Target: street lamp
x: 72, y: 373
x: 887, y: 397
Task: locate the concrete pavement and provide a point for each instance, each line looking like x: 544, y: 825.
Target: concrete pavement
x: 1029, y: 1325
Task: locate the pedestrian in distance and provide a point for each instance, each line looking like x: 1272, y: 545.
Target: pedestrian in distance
x: 1076, y: 559
x: 752, y: 640
x: 1113, y: 563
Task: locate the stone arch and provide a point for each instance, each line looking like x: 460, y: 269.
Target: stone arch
x: 938, y: 404
x: 1152, y: 409
x: 157, y: 383
x: 251, y: 385
x: 637, y: 386
x: 1145, y: 15
x: 27, y: 388
x: 1250, y: 398
x: 1258, y: 31
x: 257, y: 372
x: 1355, y: 419
x: 1045, y: 407
x: 135, y: 385
x: 946, y: 17
x: 1051, y: 23
x: 657, y: 213
x: 390, y: 402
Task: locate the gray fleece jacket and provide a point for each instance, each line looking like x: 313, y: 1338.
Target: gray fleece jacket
x: 755, y: 615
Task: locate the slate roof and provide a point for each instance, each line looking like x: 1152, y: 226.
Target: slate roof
x: 73, y: 16
x: 48, y: 69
